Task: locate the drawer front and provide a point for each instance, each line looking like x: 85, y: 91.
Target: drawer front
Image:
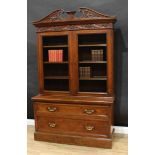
x: 63, y: 125
x: 71, y: 109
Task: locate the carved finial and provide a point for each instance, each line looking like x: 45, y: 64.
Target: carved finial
x: 70, y: 14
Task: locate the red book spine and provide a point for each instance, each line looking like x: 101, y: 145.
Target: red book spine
x: 57, y: 56
x: 61, y: 56
x: 52, y: 55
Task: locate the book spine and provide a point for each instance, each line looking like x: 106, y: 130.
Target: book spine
x: 98, y: 55
x: 85, y: 72
x: 61, y: 56
x: 101, y: 55
x: 56, y: 55
x: 80, y: 72
x: 88, y: 72
x: 95, y: 55
x: 92, y: 55
x: 52, y: 55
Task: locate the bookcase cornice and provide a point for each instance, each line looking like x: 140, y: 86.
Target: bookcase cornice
x: 70, y: 20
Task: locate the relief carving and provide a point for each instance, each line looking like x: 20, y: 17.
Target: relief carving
x: 75, y: 27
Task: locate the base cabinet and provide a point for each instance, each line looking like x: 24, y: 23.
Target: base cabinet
x: 88, y: 125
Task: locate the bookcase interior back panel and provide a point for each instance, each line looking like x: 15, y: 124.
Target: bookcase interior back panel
x: 55, y: 63
x: 92, y: 54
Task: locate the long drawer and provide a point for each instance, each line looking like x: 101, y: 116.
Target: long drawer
x: 72, y: 126
x: 50, y: 109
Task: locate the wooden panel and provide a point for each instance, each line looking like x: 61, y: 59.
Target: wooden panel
x: 74, y: 139
x: 40, y: 63
x: 73, y: 60
x: 69, y: 125
x: 110, y: 67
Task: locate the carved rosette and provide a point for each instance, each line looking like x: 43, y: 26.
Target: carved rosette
x: 75, y: 27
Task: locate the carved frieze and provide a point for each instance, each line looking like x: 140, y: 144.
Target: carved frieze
x: 75, y: 27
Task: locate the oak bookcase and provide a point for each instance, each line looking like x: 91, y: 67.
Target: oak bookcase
x: 69, y: 108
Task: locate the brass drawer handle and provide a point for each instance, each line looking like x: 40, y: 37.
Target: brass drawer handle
x: 52, y: 109
x: 52, y: 125
x: 89, y: 128
x: 89, y: 111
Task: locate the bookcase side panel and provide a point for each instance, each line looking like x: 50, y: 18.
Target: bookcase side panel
x: 40, y: 63
x: 110, y: 62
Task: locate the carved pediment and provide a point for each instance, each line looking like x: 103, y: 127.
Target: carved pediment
x: 71, y: 17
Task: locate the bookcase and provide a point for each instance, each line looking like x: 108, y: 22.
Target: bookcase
x: 76, y: 82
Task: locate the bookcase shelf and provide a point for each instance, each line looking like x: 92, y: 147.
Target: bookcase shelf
x: 56, y: 77
x: 47, y: 62
x: 55, y: 46
x: 92, y: 45
x: 93, y: 78
x: 92, y: 62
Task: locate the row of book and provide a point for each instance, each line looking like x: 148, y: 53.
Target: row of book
x: 85, y: 72
x: 55, y: 55
x: 97, y: 55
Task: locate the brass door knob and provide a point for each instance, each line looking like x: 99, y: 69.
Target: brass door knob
x: 52, y: 109
x: 89, y: 128
x: 52, y: 125
x: 89, y: 111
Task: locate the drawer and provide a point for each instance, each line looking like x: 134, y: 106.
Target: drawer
x: 72, y: 126
x: 72, y: 109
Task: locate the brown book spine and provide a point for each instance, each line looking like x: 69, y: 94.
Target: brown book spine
x: 98, y: 55
x: 101, y: 55
x: 88, y: 72
x: 92, y: 55
x: 80, y: 72
x: 84, y: 72
x: 95, y: 57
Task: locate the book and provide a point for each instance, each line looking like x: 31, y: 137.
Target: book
x: 61, y: 55
x: 101, y: 55
x: 55, y: 55
x: 98, y: 55
x: 49, y: 55
x: 85, y: 72
x: 92, y: 55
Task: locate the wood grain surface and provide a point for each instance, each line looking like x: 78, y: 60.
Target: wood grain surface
x: 120, y: 147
